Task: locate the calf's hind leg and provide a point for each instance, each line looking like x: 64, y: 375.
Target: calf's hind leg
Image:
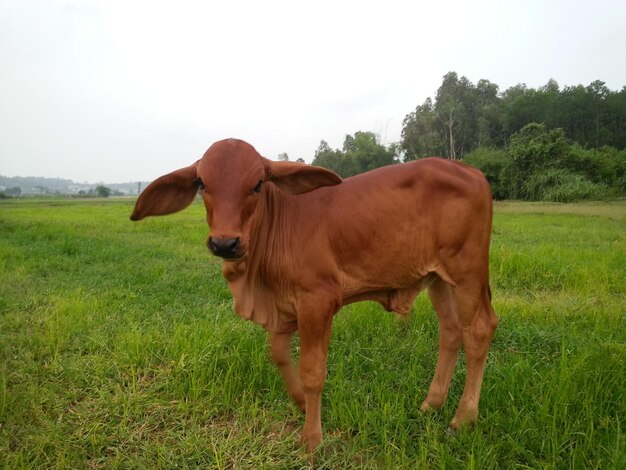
x: 478, y: 322
x: 465, y: 317
x: 450, y: 337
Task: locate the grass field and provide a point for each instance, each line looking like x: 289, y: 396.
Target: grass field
x: 119, y: 349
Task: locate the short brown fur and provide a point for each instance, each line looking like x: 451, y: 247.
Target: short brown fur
x: 309, y: 243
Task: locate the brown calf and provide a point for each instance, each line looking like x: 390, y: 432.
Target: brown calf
x: 298, y: 242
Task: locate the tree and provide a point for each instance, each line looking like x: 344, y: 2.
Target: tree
x: 366, y: 152
x: 283, y: 157
x: 462, y: 118
x: 574, y: 103
x: 489, y: 122
x: 361, y: 152
x: 14, y: 191
x: 334, y: 160
x: 598, y: 93
x: 548, y: 105
x: 420, y: 133
x: 102, y: 191
x: 456, y: 110
x: 615, y: 119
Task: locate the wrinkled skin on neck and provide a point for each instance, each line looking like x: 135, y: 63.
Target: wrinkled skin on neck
x: 253, y: 278
x: 243, y: 201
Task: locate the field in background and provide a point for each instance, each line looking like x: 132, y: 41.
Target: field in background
x: 119, y: 349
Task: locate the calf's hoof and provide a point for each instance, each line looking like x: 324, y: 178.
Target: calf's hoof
x: 430, y: 405
x: 426, y: 407
x: 463, y: 420
x: 311, y: 441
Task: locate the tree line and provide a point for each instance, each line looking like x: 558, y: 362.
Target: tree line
x: 360, y: 152
x: 16, y: 186
x: 100, y: 191
x: 549, y: 143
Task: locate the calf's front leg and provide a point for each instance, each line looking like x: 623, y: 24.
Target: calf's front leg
x: 280, y: 352
x: 315, y: 332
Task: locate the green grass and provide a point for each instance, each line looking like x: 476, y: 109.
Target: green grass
x: 119, y: 349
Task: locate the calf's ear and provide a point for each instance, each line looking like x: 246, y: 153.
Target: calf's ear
x: 298, y: 178
x: 168, y: 194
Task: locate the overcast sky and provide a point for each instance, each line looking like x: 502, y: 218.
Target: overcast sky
x: 115, y: 91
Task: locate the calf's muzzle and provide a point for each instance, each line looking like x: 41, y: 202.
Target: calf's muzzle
x: 227, y: 248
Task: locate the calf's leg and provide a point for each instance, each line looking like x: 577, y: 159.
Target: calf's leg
x: 280, y: 352
x: 450, y: 337
x: 315, y: 330
x: 479, y: 323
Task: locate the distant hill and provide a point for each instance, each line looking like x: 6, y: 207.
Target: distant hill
x: 32, y: 185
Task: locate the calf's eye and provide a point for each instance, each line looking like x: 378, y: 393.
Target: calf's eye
x: 257, y: 188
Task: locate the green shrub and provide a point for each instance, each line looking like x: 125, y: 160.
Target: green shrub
x: 556, y: 185
x: 542, y: 165
x: 491, y: 162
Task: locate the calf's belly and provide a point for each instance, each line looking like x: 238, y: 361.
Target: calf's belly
x: 397, y: 298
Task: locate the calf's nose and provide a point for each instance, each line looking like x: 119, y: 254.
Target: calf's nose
x: 225, y: 247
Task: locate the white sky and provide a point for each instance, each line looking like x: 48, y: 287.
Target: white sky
x: 116, y: 91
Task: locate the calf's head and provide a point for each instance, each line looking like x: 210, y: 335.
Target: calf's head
x: 234, y: 180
